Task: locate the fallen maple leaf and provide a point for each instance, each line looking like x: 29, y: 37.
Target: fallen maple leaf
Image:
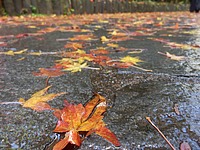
x: 70, y: 137
x: 99, y: 50
x: 38, y: 100
x: 121, y: 38
x: 104, y: 132
x: 126, y: 62
x: 172, y: 56
x: 78, y: 65
x: 104, y: 39
x: 101, y: 59
x: 83, y: 37
x: 47, y: 30
x: 32, y: 27
x: 132, y: 60
x: 89, y: 107
x: 12, y: 53
x: 22, y: 35
x: 78, y: 122
x: 74, y: 45
x: 117, y: 33
x: 112, y: 45
x: 20, y: 59
x: 75, y: 67
x: 74, y: 54
x: 49, y: 72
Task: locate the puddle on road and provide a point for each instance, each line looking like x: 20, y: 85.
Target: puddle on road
x: 132, y: 96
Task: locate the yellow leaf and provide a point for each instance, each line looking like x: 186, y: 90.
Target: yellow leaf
x: 98, y: 27
x: 85, y: 30
x: 132, y: 60
x: 32, y: 27
x: 41, y: 92
x: 75, y: 67
x: 104, y: 39
x: 160, y: 23
x: 82, y: 59
x: 21, y: 51
x: 21, y: 59
x: 44, y: 98
x: 79, y: 52
x: 113, y: 45
x: 158, y: 18
x: 103, y: 21
x: 39, y: 97
x: 9, y: 53
x: 12, y: 53
x: 64, y: 60
x: 114, y: 32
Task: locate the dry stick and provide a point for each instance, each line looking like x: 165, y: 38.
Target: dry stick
x: 149, y: 120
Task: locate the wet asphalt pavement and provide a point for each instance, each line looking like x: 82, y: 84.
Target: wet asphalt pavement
x: 132, y: 97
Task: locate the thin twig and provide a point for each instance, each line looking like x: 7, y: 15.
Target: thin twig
x: 149, y: 120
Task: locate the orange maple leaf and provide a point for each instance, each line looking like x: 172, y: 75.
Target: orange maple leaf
x: 83, y: 37
x: 77, y: 121
x: 49, y: 72
x: 74, y: 45
x: 99, y: 50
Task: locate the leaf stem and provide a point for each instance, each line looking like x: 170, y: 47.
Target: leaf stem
x: 5, y: 103
x: 91, y: 68
x: 163, y: 136
x: 47, y: 81
x: 141, y: 68
x: 162, y: 54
